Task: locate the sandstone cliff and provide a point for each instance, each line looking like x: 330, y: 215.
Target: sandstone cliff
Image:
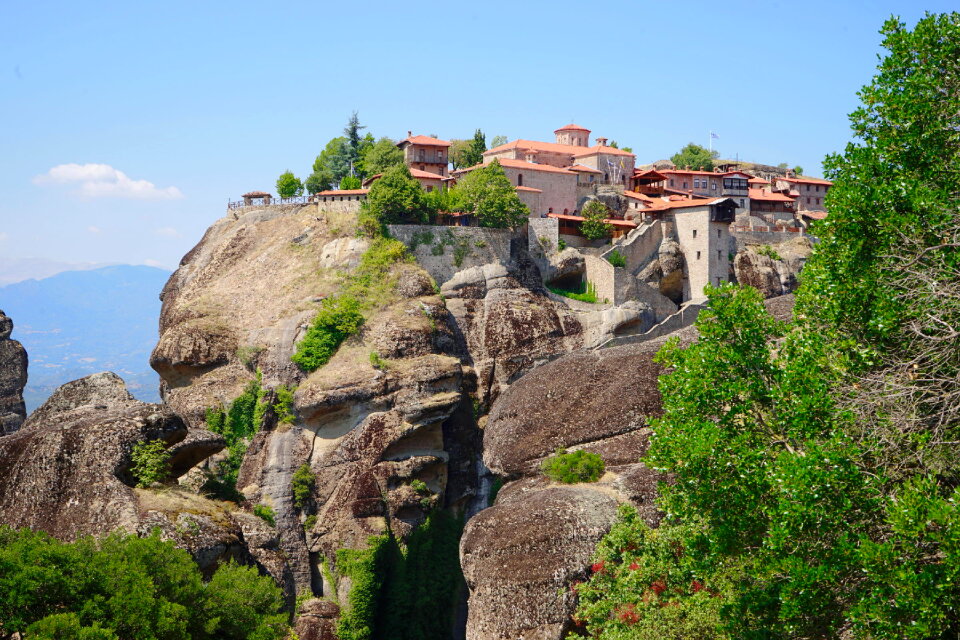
x: 13, y: 378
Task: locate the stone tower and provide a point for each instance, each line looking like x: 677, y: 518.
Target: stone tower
x: 13, y: 378
x: 573, y: 134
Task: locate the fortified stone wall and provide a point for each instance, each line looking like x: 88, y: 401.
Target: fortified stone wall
x: 611, y: 283
x: 342, y: 204
x: 639, y: 245
x: 443, y: 251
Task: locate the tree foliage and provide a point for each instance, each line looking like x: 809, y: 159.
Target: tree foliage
x: 331, y: 165
x: 380, y: 156
x: 486, y: 193
x: 695, y: 157
x: 338, y: 319
x: 394, y: 198
x: 151, y: 462
x: 593, y: 226
x: 128, y: 587
x: 570, y: 468
x: 288, y: 185
x: 815, y: 481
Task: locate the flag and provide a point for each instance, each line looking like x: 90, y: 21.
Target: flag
x: 714, y: 136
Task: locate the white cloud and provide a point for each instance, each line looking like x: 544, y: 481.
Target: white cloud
x: 153, y: 263
x: 167, y: 232
x: 93, y: 229
x: 103, y: 181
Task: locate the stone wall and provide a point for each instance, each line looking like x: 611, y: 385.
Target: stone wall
x: 13, y: 378
x: 443, y: 251
x: 559, y: 188
x: 342, y: 204
x: 705, y: 247
x: 639, y: 245
x: 611, y: 283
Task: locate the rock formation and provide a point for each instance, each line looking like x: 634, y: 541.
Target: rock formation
x: 772, y: 269
x: 13, y: 378
x: 539, y: 536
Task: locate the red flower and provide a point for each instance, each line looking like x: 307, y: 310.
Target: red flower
x: 634, y: 566
x: 696, y: 585
x: 598, y: 567
x: 628, y: 614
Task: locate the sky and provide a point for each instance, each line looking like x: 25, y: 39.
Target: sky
x: 127, y: 126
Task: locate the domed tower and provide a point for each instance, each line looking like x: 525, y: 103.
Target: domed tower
x: 573, y: 134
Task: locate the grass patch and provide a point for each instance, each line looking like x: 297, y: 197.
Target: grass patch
x: 266, y: 513
x: 338, y: 319
x: 584, y: 293
x: 770, y: 252
x: 302, y: 485
x: 616, y: 259
x: 570, y: 468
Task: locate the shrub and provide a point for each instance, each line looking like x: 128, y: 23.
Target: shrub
x: 288, y: 185
x: 396, y: 198
x: 237, y: 425
x: 419, y: 486
x: 350, y: 182
x: 266, y: 513
x: 569, y: 468
x: 377, y: 362
x: 247, y: 355
x: 310, y: 522
x: 584, y: 293
x: 151, y: 462
x: 487, y: 193
x: 593, y: 226
x: 616, y: 259
x: 302, y: 484
x: 770, y: 252
x: 561, y: 244
x: 338, y: 319
x: 283, y: 406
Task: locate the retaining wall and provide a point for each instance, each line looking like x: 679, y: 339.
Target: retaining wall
x: 443, y: 251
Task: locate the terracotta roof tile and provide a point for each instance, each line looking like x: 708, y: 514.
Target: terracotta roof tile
x: 572, y: 127
x: 637, y: 196
x: 343, y: 192
x: 425, y: 175
x: 425, y: 140
x: 519, y: 164
x: 767, y: 196
x: 613, y: 151
x: 530, y: 189
x: 814, y: 215
x: 553, y: 147
x: 806, y: 180
x: 612, y: 221
x: 582, y: 169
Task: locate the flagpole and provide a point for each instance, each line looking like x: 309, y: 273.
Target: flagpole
x: 711, y: 142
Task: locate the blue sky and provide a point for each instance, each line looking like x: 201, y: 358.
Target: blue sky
x: 185, y: 105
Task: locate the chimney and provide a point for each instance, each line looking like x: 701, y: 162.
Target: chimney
x: 602, y: 142
x: 409, y: 134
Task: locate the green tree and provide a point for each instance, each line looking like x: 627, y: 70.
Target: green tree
x: 351, y: 133
x: 486, y: 193
x: 473, y: 154
x: 498, y: 141
x: 331, y: 165
x: 798, y: 170
x: 151, y: 462
x: 302, y: 484
x: 593, y: 226
x: 460, y: 153
x: 695, y: 157
x: 288, y: 185
x: 350, y: 182
x: 380, y: 156
x: 394, y: 198
x: 819, y: 458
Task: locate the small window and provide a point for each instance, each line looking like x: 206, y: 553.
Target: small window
x: 519, y: 179
x: 719, y: 254
x: 671, y: 182
x: 718, y: 281
x: 808, y: 200
x: 684, y: 185
x: 718, y: 233
x: 429, y: 189
x: 698, y: 255
x: 694, y: 233
x: 713, y: 185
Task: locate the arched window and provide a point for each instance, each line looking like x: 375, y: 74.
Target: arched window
x: 519, y: 179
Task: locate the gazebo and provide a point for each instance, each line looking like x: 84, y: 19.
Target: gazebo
x: 259, y: 196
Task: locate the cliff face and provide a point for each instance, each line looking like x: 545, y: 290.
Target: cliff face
x: 13, y: 378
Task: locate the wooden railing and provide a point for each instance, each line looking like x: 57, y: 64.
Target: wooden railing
x: 262, y: 202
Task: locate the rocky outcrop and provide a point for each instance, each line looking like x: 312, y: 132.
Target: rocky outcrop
x: 67, y: 471
x: 772, y: 269
x: 507, y: 325
x: 666, y: 271
x: 13, y: 378
x: 538, y: 538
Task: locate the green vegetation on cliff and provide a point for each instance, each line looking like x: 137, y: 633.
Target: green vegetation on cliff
x: 238, y: 424
x: 814, y: 464
x: 151, y: 462
x: 128, y: 587
x: 577, y: 466
x: 403, y: 593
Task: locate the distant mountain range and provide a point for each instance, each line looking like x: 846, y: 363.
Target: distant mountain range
x: 80, y: 322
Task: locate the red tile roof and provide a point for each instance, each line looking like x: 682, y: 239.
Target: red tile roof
x: 611, y: 221
x: 767, y: 196
x: 758, y: 181
x: 691, y: 172
x: 530, y: 189
x: 613, y: 151
x: 662, y: 205
x: 814, y: 215
x: 553, y: 147
x: 425, y: 175
x: 343, y: 192
x: 572, y: 127
x: 519, y: 164
x: 651, y: 174
x: 425, y: 140
x: 582, y: 169
x: 637, y: 196
x: 806, y: 180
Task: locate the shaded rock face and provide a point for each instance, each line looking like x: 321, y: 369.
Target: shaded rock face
x: 521, y: 553
x: 13, y: 378
x: 755, y: 267
x: 67, y: 471
x: 507, y: 325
